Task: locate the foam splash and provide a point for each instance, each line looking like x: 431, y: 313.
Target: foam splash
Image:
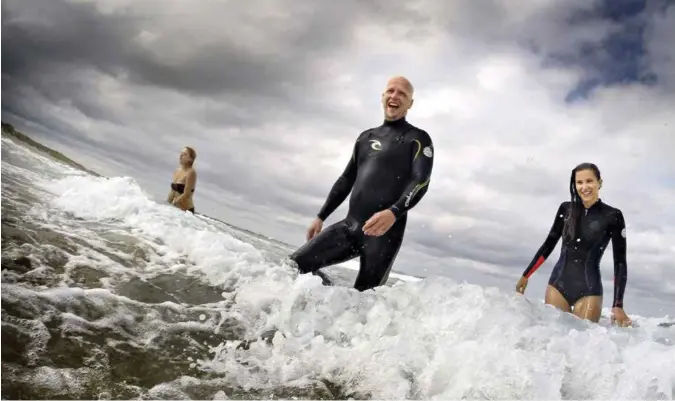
x: 427, y: 339
x: 119, y: 200
x: 438, y: 339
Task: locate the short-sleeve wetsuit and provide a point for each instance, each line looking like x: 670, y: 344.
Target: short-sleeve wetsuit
x: 390, y: 168
x: 577, y: 272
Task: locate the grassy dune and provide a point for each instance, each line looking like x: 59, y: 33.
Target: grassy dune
x: 10, y: 131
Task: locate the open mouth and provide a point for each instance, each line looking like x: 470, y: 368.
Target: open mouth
x: 393, y: 106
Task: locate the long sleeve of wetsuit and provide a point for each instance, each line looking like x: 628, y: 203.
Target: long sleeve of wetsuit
x: 550, y: 242
x: 422, y: 165
x: 620, y: 264
x: 341, y: 188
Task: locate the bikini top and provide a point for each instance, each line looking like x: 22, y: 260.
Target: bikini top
x: 179, y: 187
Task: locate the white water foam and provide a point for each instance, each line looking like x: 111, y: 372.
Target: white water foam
x: 354, y: 265
x: 120, y: 200
x: 421, y: 339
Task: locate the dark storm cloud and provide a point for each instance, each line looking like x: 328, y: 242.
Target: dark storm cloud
x: 53, y: 50
x: 616, y: 55
x: 660, y: 49
x: 36, y: 35
x: 618, y: 58
x: 41, y: 34
x: 606, y: 40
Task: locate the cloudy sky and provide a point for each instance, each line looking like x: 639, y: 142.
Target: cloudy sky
x: 272, y: 95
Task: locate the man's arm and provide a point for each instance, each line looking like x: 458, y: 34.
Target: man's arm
x: 341, y: 188
x: 422, y: 165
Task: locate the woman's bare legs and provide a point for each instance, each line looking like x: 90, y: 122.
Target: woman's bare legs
x: 555, y: 298
x: 589, y: 308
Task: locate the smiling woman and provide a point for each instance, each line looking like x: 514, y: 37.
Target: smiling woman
x: 184, y: 181
x: 586, y: 225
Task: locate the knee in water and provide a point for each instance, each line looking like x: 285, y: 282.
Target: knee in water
x: 325, y: 280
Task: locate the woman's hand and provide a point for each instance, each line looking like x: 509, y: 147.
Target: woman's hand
x: 620, y: 317
x: 180, y: 202
x: 521, y: 285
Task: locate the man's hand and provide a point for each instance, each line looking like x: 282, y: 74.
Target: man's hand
x: 380, y: 223
x: 314, y: 228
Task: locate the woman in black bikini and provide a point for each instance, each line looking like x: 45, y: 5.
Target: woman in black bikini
x: 586, y: 225
x: 184, y: 181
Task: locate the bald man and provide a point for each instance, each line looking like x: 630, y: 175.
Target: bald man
x: 388, y: 174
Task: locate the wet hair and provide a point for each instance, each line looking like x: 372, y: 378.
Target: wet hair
x: 577, y: 206
x: 192, y: 153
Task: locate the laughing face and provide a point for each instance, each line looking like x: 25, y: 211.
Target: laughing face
x: 588, y: 186
x: 397, y: 98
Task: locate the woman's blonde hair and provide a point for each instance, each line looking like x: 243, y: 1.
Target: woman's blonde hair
x: 192, y: 153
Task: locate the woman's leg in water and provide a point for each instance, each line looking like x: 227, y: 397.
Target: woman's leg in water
x: 589, y: 308
x: 555, y: 298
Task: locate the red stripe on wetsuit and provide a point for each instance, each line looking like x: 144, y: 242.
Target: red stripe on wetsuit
x: 539, y: 262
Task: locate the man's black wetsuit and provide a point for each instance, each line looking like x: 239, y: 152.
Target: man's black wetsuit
x: 577, y: 273
x: 390, y: 168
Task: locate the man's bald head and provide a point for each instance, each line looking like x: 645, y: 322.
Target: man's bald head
x: 397, y: 97
x: 402, y: 81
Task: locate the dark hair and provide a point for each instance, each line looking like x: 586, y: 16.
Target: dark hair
x: 577, y: 206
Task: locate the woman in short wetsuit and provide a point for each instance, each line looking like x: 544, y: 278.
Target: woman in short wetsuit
x: 184, y: 181
x: 586, y: 225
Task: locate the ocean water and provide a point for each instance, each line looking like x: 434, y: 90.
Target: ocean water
x: 107, y: 295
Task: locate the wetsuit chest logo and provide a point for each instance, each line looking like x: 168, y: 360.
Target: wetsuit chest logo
x: 375, y: 144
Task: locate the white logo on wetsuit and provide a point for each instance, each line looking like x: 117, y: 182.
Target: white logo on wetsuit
x: 409, y: 197
x: 623, y: 233
x: 375, y: 144
x: 428, y: 152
